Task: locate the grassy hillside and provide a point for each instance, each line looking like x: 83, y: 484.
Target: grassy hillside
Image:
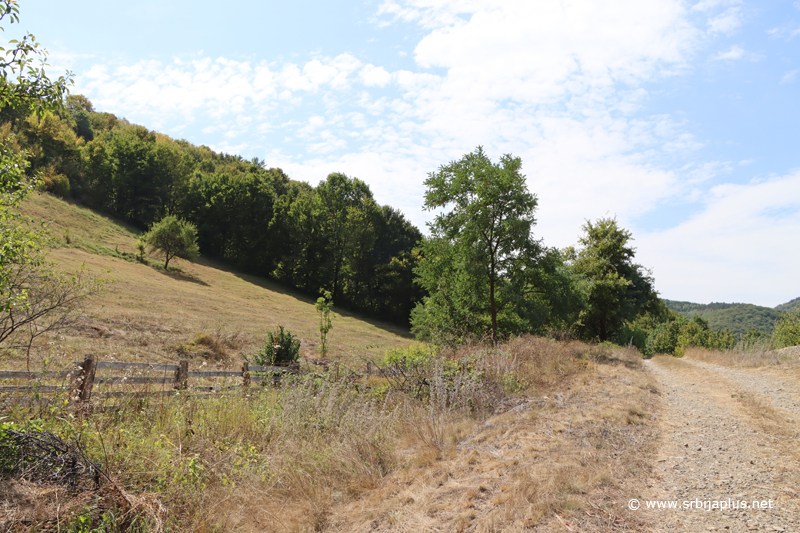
x: 739, y: 318
x: 204, y: 310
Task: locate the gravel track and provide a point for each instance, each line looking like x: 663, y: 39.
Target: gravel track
x: 715, y: 449
x: 783, y: 391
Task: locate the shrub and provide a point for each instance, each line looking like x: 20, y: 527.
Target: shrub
x: 787, y: 330
x: 55, y: 183
x: 324, y: 306
x: 663, y: 339
x: 281, y: 347
x: 412, y: 356
x: 675, y: 336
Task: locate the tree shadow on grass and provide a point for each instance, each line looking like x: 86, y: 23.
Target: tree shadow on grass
x: 180, y: 276
x: 606, y: 359
x: 274, y: 286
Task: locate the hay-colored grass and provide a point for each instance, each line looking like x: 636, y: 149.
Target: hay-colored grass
x: 151, y: 315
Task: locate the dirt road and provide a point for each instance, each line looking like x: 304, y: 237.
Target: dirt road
x: 730, y: 438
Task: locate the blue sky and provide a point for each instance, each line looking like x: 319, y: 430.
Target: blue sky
x: 682, y: 119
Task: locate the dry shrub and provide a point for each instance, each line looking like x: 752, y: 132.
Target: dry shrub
x: 296, y: 450
x: 545, y: 363
x: 566, y: 447
x: 451, y: 394
x: 211, y: 346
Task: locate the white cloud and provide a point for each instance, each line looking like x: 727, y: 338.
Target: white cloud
x: 536, y: 51
x: 564, y: 85
x: 557, y: 84
x: 708, y: 5
x: 733, y: 54
x: 738, y: 247
x: 726, y: 22
x: 788, y: 77
x: 373, y: 76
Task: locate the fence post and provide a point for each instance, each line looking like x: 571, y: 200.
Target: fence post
x: 84, y: 380
x: 182, y: 375
x: 246, y: 375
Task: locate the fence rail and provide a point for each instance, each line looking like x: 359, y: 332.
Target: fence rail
x: 83, y: 378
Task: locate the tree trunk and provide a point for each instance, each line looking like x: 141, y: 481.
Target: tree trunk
x: 492, y: 305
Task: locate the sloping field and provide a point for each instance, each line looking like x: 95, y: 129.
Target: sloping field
x: 204, y: 311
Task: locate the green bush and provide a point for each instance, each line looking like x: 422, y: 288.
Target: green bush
x: 697, y: 333
x: 663, y: 339
x: 633, y: 333
x: 280, y: 348
x: 675, y: 336
x: 412, y: 356
x: 787, y: 330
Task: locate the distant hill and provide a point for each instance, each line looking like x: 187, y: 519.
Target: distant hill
x: 739, y: 318
x: 792, y: 306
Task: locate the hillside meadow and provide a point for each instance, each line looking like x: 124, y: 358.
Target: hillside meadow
x: 200, y: 310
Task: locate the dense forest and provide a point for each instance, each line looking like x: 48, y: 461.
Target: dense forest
x: 737, y: 317
x: 332, y: 237
x: 792, y: 306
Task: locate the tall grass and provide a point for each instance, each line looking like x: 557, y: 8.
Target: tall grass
x: 754, y: 354
x: 299, y: 443
x: 284, y: 458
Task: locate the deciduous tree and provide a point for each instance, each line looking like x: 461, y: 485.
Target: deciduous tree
x: 620, y: 289
x: 477, y: 262
x: 174, y: 238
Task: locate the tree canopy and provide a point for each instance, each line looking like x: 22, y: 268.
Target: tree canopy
x: 619, y: 288
x: 477, y: 263
x: 174, y: 238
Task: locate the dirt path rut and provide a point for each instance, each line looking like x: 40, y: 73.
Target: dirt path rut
x: 730, y: 439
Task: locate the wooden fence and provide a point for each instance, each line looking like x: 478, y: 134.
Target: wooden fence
x: 83, y: 378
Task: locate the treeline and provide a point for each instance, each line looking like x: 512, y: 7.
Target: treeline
x: 671, y: 332
x: 332, y: 237
x: 739, y: 318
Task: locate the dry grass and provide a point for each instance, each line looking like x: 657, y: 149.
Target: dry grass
x: 746, y: 357
x: 242, y: 463
x: 568, y: 447
x: 326, y: 454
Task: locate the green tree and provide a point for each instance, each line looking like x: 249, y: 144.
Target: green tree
x: 477, y: 262
x: 336, y: 204
x: 174, y: 238
x: 620, y: 289
x: 23, y: 81
x: 324, y: 307
x: 78, y: 102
